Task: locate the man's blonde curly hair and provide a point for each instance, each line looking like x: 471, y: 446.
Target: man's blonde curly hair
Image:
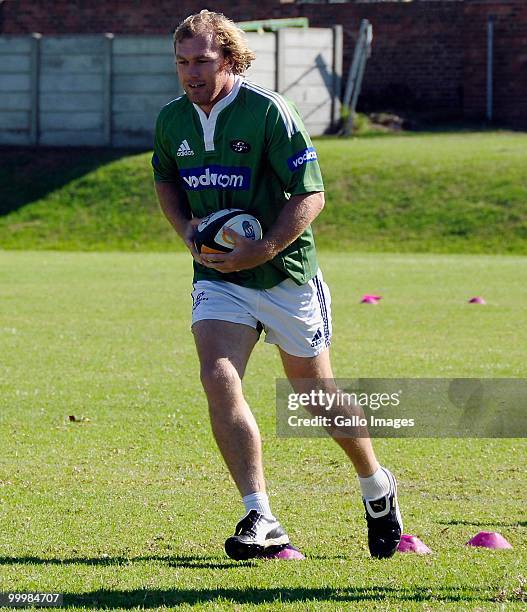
x: 229, y: 37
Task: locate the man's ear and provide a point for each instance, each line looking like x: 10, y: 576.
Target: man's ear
x: 228, y: 63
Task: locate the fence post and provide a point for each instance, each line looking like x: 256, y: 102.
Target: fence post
x: 107, y: 88
x: 34, y: 123
x: 281, y: 58
x: 337, y: 76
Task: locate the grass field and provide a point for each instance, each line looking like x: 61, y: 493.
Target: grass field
x: 415, y: 192
x: 128, y: 507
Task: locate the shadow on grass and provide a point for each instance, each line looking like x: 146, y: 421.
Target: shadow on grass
x: 484, y: 523
x: 105, y: 599
x: 203, y: 562
x: 171, y: 560
x: 29, y: 173
x: 172, y: 597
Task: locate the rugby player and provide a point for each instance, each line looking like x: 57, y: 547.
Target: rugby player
x: 230, y: 143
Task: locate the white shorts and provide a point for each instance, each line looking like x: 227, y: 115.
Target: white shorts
x: 295, y: 317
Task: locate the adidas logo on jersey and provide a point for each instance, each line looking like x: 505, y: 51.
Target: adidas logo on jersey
x: 184, y: 149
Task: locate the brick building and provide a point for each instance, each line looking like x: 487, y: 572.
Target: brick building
x: 427, y: 55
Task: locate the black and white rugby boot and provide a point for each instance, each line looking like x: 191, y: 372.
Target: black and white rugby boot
x: 255, y: 535
x: 385, y: 525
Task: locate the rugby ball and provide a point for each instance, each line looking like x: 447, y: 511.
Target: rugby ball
x: 210, y: 234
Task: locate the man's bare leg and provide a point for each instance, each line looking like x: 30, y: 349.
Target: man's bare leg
x: 224, y: 349
x: 300, y: 370
x: 378, y: 485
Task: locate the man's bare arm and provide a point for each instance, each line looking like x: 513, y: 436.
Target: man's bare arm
x: 297, y: 214
x: 178, y: 213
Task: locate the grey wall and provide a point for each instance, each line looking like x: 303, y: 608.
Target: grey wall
x: 306, y: 74
x: 263, y: 68
x: 71, y: 92
x: 16, y: 84
x: 102, y: 90
x: 144, y: 80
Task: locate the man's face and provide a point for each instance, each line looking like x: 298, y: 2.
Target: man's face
x: 203, y: 71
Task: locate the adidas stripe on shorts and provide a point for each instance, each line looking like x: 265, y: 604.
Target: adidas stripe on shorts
x: 295, y: 317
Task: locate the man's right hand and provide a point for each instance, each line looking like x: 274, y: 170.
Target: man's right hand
x: 188, y: 237
x: 177, y: 211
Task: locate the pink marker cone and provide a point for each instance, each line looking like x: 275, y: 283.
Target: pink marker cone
x: 477, y: 300
x: 288, y: 552
x: 370, y: 299
x: 410, y: 543
x: 489, y: 539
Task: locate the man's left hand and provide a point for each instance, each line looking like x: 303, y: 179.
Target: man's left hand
x: 245, y: 255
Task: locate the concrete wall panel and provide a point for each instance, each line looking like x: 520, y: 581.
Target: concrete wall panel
x: 71, y: 102
x: 15, y: 137
x: 15, y: 82
x: 73, y: 64
x: 14, y: 102
x: 15, y: 44
x: 147, y: 64
x: 50, y: 83
x: 14, y: 120
x: 72, y: 45
x: 143, y: 45
x: 11, y: 63
x: 72, y: 138
x: 71, y: 121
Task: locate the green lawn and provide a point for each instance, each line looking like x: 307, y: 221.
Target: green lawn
x: 416, y: 192
x: 129, y: 507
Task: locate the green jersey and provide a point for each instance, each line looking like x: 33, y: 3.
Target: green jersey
x: 252, y: 152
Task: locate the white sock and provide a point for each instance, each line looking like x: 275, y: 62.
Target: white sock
x: 260, y: 502
x: 375, y: 486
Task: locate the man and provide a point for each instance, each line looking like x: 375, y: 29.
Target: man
x: 225, y: 124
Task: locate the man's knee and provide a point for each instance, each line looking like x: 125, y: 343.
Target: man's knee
x: 219, y: 378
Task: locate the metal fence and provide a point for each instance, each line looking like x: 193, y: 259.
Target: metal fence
x: 105, y: 90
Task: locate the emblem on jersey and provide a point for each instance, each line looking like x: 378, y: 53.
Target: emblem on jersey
x: 240, y: 146
x: 184, y: 149
x: 301, y: 158
x: 216, y: 177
